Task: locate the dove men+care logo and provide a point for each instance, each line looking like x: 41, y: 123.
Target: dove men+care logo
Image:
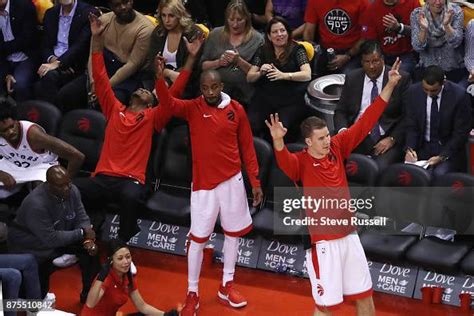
x: 277, y: 256
x: 453, y: 285
x: 247, y: 254
x: 162, y: 236
x: 154, y: 235
x: 393, y: 279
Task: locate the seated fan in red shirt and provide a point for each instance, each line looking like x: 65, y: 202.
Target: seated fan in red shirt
x: 115, y: 284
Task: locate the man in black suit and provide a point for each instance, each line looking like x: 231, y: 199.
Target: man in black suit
x: 17, y: 48
x: 438, y: 121
x: 361, y: 87
x: 65, y: 48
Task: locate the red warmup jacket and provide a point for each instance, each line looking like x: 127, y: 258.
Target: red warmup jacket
x: 128, y: 135
x: 219, y: 137
x: 320, y: 175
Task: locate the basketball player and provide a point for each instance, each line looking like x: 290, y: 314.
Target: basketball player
x: 220, y: 136
x: 27, y: 151
x: 336, y: 262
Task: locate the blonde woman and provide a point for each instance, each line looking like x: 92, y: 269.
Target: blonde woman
x: 174, y: 23
x: 230, y: 48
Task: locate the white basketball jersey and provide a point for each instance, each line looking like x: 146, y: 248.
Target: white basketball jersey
x: 22, y: 162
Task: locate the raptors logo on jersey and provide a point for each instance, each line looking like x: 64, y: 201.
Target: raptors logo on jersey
x: 338, y: 21
x: 21, y: 161
x: 23, y: 156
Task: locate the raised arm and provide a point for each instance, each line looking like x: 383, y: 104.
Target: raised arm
x: 287, y: 161
x: 165, y: 111
x: 352, y: 137
x: 103, y: 88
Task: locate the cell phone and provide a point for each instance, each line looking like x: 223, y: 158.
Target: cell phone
x: 191, y: 35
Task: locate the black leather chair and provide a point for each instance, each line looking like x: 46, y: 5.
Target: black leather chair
x: 42, y: 113
x: 264, y: 222
x: 451, y: 205
x: 173, y: 167
x: 401, y: 196
x: 361, y: 170
x: 85, y: 130
x: 264, y: 152
x: 361, y: 173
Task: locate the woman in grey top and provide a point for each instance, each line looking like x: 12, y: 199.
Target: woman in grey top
x: 230, y: 48
x: 437, y: 34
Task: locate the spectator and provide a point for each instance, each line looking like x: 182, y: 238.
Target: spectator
x: 292, y: 11
x: 229, y: 50
x: 120, y: 171
x: 281, y: 73
x: 17, y: 48
x: 174, y: 24
x: 437, y: 35
x: 388, y: 21
x: 469, y: 57
x: 211, y: 12
x: 114, y: 284
x: 127, y: 38
x: 16, y: 272
x: 65, y: 48
x: 361, y: 87
x: 438, y: 121
x: 339, y: 25
x: 28, y: 151
x: 50, y: 219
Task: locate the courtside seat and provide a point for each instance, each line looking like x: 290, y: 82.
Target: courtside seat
x: 171, y: 199
x: 42, y: 113
x: 467, y: 264
x: 264, y: 221
x: 451, y: 207
x: 401, y: 196
x: 85, y: 130
x: 362, y: 172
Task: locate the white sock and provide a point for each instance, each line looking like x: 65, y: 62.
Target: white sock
x: 231, y: 246
x: 195, y: 254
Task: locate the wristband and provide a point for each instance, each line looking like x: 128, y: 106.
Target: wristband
x: 402, y: 28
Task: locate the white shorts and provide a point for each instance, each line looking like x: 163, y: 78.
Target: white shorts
x: 228, y: 199
x: 338, y: 269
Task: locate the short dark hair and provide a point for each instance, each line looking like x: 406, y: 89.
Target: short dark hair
x: 433, y: 74
x: 210, y: 72
x: 7, y: 109
x: 310, y: 124
x: 371, y: 46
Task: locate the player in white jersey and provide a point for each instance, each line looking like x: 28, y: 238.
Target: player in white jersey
x: 26, y: 151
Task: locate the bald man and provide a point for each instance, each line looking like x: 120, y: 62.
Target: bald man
x: 52, y: 221
x: 220, y: 136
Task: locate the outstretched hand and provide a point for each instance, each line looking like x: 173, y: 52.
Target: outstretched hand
x: 194, y: 46
x: 394, y: 73
x: 277, y: 130
x: 97, y: 27
x: 159, y: 65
